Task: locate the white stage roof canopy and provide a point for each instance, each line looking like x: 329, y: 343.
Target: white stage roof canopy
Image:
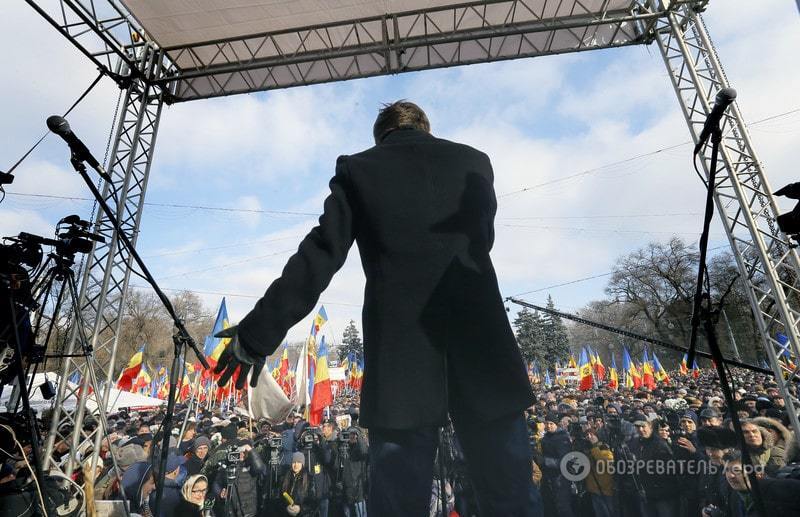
x: 222, y: 47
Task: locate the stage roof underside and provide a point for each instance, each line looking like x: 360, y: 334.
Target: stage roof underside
x: 224, y: 47
x: 195, y: 49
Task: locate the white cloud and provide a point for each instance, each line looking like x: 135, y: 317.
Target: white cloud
x: 539, y: 119
x: 14, y: 221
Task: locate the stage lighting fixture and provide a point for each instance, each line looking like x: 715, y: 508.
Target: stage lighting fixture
x: 789, y: 223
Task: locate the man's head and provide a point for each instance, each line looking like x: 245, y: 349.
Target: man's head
x: 551, y: 423
x: 328, y: 427
x: 752, y: 434
x: 200, y: 446
x: 735, y: 473
x: 644, y: 428
x: 397, y: 115
x: 190, y: 431
x: 688, y: 423
x: 710, y: 417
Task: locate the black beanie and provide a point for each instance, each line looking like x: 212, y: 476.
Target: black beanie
x: 228, y: 432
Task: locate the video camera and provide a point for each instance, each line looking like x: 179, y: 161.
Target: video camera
x: 309, y: 437
x: 25, y: 250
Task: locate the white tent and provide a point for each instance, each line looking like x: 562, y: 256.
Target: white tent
x: 116, y: 401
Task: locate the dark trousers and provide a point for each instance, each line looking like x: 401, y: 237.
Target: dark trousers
x: 497, y: 453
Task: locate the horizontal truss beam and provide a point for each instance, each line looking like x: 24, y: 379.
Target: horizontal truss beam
x: 473, y: 32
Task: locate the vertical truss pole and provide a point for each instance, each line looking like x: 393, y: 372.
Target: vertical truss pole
x: 105, y: 278
x: 768, y: 265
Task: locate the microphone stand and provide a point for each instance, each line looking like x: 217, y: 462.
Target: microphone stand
x: 708, y: 324
x: 181, y: 337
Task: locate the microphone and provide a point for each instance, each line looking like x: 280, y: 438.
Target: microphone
x: 60, y: 126
x: 721, y: 102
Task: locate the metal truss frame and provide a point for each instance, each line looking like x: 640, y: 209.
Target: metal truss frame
x: 475, y: 32
x: 102, y: 30
x: 107, y: 272
x: 767, y: 263
x: 472, y: 32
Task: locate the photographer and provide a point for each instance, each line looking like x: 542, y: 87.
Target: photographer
x: 599, y: 482
x: 351, y: 472
x: 687, y: 451
x: 270, y: 448
x: 319, y: 456
x: 236, y: 481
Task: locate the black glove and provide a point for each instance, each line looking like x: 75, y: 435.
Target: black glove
x: 234, y: 356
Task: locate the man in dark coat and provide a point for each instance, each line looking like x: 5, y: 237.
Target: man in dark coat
x: 660, y: 488
x: 436, y: 335
x: 555, y: 487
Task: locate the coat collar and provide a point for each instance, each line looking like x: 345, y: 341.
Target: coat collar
x: 405, y: 134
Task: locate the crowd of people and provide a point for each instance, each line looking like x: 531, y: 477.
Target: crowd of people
x: 669, y: 451
x: 223, y: 464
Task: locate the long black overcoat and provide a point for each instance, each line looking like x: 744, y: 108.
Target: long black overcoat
x: 436, y: 334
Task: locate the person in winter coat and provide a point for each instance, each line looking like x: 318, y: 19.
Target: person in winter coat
x: 299, y: 486
x: 659, y: 489
x: 196, y: 457
x: 784, y: 446
x: 138, y: 483
x: 687, y: 450
x: 193, y: 494
x: 555, y: 487
x: 759, y: 445
x: 780, y: 497
x: 600, y: 482
x: 245, y: 486
x: 171, y: 495
x: 714, y: 491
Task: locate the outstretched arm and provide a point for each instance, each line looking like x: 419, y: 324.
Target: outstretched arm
x: 307, y: 273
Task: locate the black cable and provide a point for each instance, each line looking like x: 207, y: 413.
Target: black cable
x: 626, y: 333
x: 82, y: 96
x: 697, y: 170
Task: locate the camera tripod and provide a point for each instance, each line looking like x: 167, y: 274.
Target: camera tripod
x: 46, y: 291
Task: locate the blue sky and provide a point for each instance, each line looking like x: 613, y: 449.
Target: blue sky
x: 541, y: 120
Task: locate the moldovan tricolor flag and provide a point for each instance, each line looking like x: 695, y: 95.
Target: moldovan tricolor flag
x: 613, y: 378
x: 648, y: 375
x: 684, y: 366
x: 214, y: 345
x: 322, y: 395
x: 142, y: 382
x: 283, y: 370
x: 131, y: 372
x: 599, y: 369
x: 585, y: 373
x: 661, y: 374
x: 786, y: 355
x: 632, y: 377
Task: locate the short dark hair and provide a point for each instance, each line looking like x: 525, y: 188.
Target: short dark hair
x: 399, y: 114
